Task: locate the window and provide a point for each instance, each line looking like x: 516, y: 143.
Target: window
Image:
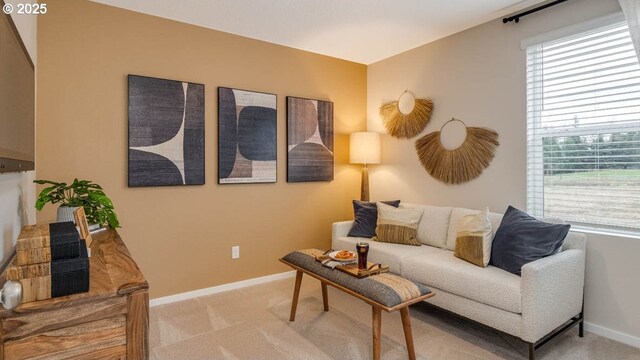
x: 583, y: 129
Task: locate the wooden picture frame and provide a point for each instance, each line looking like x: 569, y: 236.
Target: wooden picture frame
x: 83, y: 225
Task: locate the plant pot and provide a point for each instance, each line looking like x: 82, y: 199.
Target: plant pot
x: 94, y: 228
x: 65, y: 213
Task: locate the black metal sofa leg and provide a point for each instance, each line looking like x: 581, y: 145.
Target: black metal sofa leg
x: 532, y: 351
x: 581, y: 328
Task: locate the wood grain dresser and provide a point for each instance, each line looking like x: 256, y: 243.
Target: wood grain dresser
x: 111, y: 321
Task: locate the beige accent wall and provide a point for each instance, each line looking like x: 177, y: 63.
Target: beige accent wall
x: 478, y: 75
x: 182, y: 236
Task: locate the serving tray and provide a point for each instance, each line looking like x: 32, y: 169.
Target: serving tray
x: 352, y: 268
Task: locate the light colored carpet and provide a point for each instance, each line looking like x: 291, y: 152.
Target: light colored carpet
x: 253, y: 323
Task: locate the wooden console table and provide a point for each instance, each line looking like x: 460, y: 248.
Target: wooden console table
x: 110, y: 321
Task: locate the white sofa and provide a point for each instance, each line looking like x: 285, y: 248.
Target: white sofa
x: 548, y: 294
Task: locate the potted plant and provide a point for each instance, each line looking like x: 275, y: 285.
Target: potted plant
x: 97, y: 206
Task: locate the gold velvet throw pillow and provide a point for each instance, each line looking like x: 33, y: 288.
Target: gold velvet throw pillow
x: 473, y: 239
x: 397, y: 225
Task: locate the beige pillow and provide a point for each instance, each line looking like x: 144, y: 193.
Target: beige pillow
x: 397, y: 225
x: 473, y: 239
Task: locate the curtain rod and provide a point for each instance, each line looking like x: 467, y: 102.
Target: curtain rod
x: 517, y: 17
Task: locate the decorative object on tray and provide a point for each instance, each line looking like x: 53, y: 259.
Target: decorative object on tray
x: 364, y: 148
x: 462, y: 164
x: 166, y: 132
x: 247, y: 136
x: 351, y: 267
x: 309, y: 140
x: 406, y: 117
x: 363, y: 251
x: 344, y: 256
x: 80, y: 193
x: 51, y: 261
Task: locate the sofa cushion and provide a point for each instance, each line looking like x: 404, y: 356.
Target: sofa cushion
x: 521, y: 239
x: 433, y: 227
x: 473, y: 239
x: 457, y: 214
x: 441, y: 269
x: 397, y: 225
x: 384, y: 253
x: 365, y: 215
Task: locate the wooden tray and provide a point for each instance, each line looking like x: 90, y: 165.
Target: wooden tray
x: 352, y: 268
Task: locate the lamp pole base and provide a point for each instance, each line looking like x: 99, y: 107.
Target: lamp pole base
x: 364, y: 186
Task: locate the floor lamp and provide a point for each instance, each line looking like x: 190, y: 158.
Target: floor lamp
x: 364, y: 149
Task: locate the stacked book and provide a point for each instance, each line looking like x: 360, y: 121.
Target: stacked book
x: 51, y: 261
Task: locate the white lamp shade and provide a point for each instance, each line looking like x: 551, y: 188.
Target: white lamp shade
x: 364, y: 148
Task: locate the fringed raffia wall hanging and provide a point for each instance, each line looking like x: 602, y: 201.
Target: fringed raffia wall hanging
x: 406, y: 117
x: 462, y: 164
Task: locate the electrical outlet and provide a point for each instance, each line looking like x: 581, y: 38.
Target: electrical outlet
x: 235, y: 252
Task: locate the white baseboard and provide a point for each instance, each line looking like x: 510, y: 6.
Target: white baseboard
x: 612, y: 334
x: 220, y: 288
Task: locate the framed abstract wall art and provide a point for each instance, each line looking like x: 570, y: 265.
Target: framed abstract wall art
x: 166, y: 132
x: 247, y: 137
x: 309, y: 140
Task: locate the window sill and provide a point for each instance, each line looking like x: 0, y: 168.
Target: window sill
x: 608, y: 232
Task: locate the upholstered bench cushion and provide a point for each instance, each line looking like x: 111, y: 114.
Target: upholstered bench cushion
x: 386, y: 289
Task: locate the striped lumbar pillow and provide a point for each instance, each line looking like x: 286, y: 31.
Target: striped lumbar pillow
x: 397, y: 225
x: 473, y: 239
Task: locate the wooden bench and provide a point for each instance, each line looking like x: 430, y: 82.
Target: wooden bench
x: 388, y: 292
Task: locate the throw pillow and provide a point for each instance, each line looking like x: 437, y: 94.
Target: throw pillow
x: 366, y: 217
x: 397, y: 225
x: 473, y: 239
x: 521, y: 239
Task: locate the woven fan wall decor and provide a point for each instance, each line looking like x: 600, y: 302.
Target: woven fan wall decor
x: 409, y: 123
x: 462, y: 164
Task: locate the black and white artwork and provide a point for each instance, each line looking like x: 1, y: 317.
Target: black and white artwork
x: 309, y: 140
x: 166, y: 132
x: 247, y: 137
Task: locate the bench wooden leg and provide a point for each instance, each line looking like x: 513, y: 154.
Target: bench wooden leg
x: 377, y: 322
x: 408, y: 336
x: 296, y: 292
x: 325, y: 297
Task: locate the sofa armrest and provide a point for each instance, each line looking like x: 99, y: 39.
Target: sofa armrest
x: 340, y: 229
x: 552, y: 292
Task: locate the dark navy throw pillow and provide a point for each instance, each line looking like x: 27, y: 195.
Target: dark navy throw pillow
x: 521, y: 239
x: 366, y: 218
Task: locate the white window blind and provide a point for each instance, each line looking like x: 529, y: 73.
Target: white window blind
x: 583, y: 129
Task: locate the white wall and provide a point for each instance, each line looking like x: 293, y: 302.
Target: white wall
x: 478, y: 75
x: 17, y: 192
x: 16, y: 208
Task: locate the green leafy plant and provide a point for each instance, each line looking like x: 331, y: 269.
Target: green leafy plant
x: 97, y: 206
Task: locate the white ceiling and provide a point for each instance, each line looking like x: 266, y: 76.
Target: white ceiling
x: 364, y: 31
